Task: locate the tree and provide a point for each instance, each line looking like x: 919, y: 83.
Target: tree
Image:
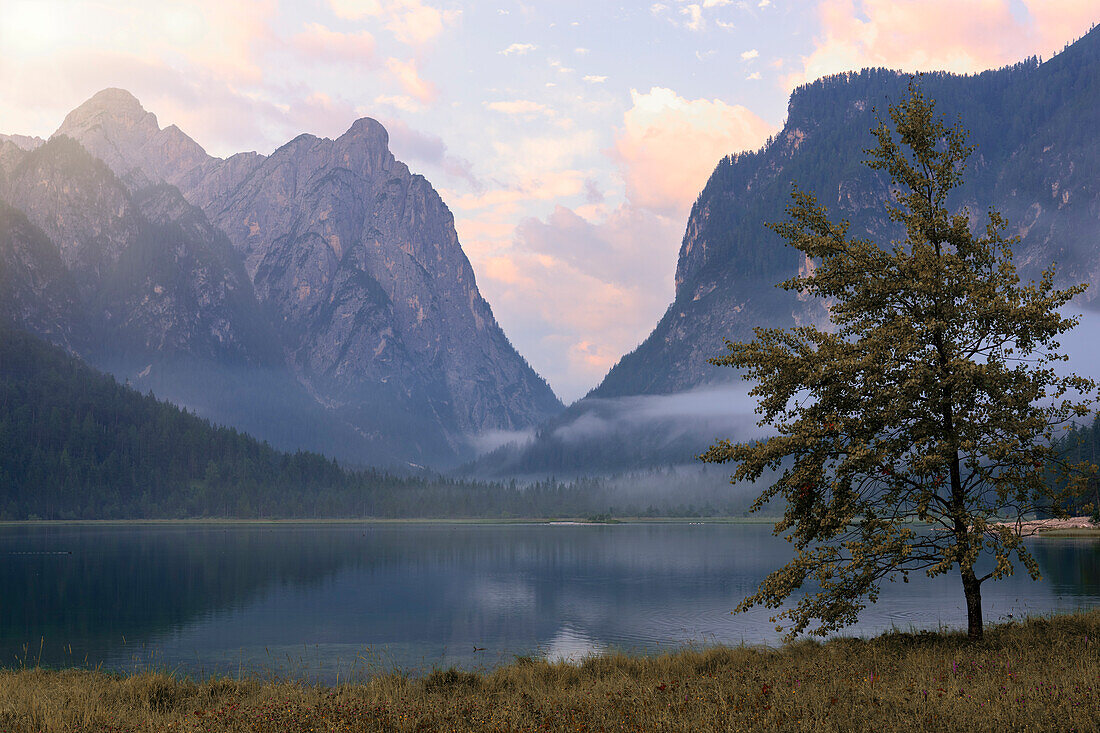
x: 926, y: 415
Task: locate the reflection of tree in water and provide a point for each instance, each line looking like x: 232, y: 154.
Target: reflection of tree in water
x: 1071, y: 566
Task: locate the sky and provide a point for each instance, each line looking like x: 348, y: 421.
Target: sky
x: 569, y: 138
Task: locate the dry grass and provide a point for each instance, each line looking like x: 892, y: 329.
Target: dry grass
x: 1043, y: 674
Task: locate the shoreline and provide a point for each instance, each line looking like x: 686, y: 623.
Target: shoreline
x: 571, y: 521
x: 1072, y: 527
x: 1039, y: 673
x: 1054, y: 527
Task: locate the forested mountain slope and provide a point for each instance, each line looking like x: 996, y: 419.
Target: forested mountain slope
x: 1036, y: 161
x: 76, y: 444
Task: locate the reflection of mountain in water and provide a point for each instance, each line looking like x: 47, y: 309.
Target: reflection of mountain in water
x: 212, y: 597
x: 241, y: 586
x: 136, y: 581
x: 1071, y: 566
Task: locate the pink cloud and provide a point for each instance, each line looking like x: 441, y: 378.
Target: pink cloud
x: 947, y: 35
x: 414, y: 23
x: 573, y: 294
x: 411, y: 22
x: 406, y: 74
x: 319, y: 43
x: 1058, y: 22
x: 669, y: 145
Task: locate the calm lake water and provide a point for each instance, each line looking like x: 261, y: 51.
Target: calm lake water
x: 320, y: 600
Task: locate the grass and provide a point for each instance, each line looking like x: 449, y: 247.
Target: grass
x: 1040, y: 674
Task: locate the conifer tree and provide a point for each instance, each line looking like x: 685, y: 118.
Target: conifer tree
x: 927, y: 413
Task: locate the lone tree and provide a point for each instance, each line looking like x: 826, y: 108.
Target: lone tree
x: 930, y: 401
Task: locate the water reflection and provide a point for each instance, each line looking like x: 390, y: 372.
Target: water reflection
x: 318, y: 599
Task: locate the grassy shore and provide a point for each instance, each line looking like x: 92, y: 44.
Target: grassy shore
x: 1042, y: 674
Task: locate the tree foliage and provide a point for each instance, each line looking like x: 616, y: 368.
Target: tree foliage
x: 927, y: 413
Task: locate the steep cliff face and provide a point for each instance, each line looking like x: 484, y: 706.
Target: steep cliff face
x: 154, y: 275
x: 1035, y: 162
x: 354, y: 260
x: 360, y: 260
x: 36, y: 291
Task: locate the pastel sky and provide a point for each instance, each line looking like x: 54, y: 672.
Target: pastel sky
x: 568, y: 137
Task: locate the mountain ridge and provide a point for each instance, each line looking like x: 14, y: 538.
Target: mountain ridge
x: 353, y: 260
x: 1014, y: 114
x: 1035, y: 162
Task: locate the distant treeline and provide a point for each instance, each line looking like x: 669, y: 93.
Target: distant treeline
x: 76, y: 444
x: 1081, y: 444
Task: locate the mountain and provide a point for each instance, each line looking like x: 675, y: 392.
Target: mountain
x: 23, y: 142
x: 148, y: 266
x: 142, y: 285
x: 325, y: 280
x: 1036, y: 161
x: 76, y: 444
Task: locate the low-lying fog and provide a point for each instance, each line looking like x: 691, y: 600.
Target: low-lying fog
x: 644, y: 449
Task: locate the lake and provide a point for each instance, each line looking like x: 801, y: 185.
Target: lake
x: 333, y: 601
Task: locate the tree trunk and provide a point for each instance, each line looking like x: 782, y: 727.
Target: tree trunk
x: 972, y: 588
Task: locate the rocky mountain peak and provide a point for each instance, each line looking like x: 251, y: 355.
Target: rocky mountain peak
x: 113, y: 126
x: 112, y: 108
x: 365, y: 147
x: 367, y: 131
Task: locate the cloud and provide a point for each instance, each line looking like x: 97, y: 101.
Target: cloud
x: 549, y: 186
x: 669, y: 146
x: 1057, y: 22
x: 750, y: 54
x: 518, y: 49
x: 492, y: 439
x: 412, y: 145
x: 912, y: 35
x: 409, y: 78
x: 576, y: 293
x: 228, y: 35
x: 519, y: 108
x: 694, y: 15
x: 398, y: 101
x: 410, y: 21
x: 592, y: 79
x: 356, y: 9
x: 583, y: 285
x: 697, y: 410
x: 414, y: 23
x: 319, y: 43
